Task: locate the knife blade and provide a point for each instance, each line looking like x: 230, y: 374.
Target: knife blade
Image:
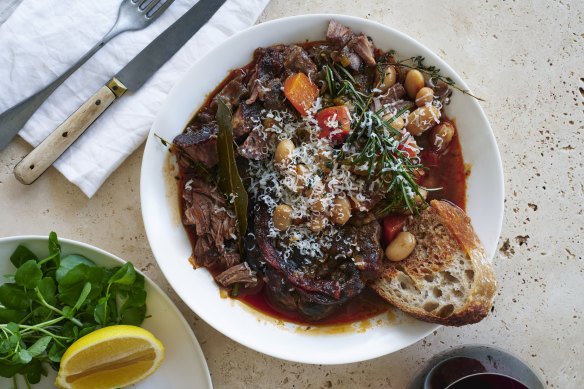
x: 130, y: 77
x: 149, y: 60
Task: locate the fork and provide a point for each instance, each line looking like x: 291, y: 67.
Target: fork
x: 132, y: 15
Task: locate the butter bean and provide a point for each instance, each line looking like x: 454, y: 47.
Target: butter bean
x: 319, y: 201
x: 401, y: 246
x: 283, y: 153
x: 282, y: 217
x: 413, y: 83
x: 341, y: 210
x: 424, y: 96
x: 398, y: 123
x: 441, y: 136
x: 389, y: 78
x: 419, y: 200
x: 317, y: 222
x: 422, y: 119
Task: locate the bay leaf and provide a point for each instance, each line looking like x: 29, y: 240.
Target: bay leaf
x: 228, y: 178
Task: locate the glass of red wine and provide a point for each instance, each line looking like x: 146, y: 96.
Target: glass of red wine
x: 476, y: 367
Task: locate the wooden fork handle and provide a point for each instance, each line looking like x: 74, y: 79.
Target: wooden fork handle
x: 43, y: 156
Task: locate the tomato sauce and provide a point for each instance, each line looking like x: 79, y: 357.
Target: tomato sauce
x: 448, y: 173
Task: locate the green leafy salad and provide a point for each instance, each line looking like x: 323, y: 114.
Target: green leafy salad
x: 49, y: 303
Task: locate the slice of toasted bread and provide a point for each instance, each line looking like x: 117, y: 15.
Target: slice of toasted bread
x: 448, y: 278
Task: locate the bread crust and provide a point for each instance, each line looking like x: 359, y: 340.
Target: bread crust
x: 446, y: 245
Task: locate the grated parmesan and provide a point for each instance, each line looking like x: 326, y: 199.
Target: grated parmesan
x: 324, y: 179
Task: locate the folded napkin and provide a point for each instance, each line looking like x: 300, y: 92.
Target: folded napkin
x: 41, y: 39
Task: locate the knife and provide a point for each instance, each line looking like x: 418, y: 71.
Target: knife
x: 131, y: 77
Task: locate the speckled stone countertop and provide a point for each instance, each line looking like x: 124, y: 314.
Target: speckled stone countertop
x: 525, y: 59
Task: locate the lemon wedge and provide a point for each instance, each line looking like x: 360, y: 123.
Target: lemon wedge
x: 111, y: 357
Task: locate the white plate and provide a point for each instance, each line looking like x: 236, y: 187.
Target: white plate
x: 184, y: 364
x: 171, y: 245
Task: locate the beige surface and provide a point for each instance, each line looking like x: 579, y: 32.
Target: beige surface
x: 525, y: 60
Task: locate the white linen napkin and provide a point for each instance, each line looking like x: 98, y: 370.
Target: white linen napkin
x: 41, y: 39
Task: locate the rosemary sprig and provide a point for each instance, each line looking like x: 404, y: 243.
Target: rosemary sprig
x: 379, y: 149
x: 345, y: 71
x: 329, y: 81
x: 417, y: 62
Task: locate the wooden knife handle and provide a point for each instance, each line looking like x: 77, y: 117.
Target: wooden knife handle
x: 43, y: 156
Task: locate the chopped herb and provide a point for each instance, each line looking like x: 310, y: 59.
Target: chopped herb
x: 328, y: 163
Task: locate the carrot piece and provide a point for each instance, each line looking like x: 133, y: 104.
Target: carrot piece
x: 301, y: 92
x: 335, y: 122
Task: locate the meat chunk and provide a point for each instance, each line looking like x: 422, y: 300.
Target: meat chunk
x: 392, y: 102
x: 256, y: 146
x: 267, y: 90
x: 245, y: 119
x: 270, y: 61
x: 442, y: 92
x: 200, y: 143
x: 273, y: 95
x: 363, y: 46
x: 289, y: 268
x: 315, y: 289
x: 298, y: 61
x: 347, y: 55
x: 205, y: 209
x: 365, y: 201
x: 269, y: 65
x: 337, y: 34
x: 364, y: 78
x: 362, y: 245
x: 233, y: 91
x: 351, y: 49
x: 402, y: 104
x: 205, y: 116
x: 311, y: 306
x: 205, y: 253
x: 393, y: 93
x: 238, y: 273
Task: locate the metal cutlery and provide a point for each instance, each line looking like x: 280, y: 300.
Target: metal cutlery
x: 130, y: 77
x: 132, y: 15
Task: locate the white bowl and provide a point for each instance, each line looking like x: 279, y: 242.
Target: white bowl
x: 171, y: 245
x: 184, y: 364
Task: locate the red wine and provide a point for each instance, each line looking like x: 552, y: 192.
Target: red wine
x: 488, y: 381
